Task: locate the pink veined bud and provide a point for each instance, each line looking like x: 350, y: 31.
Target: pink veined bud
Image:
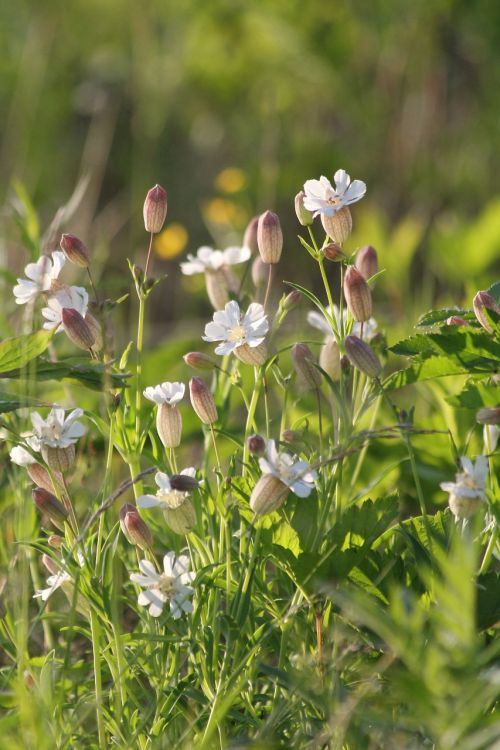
x: 75, y: 250
x: 367, y: 262
x: 333, y: 252
x: 268, y: 495
x: 339, y: 226
x: 51, y: 565
x: 48, y: 504
x: 488, y: 415
x: 55, y: 541
x: 184, y: 483
x: 269, y: 237
x: 200, y: 361
x: 202, y: 401
x: 41, y: 477
x: 291, y: 300
x: 251, y: 355
x: 357, y: 294
x: 134, y: 527
x: 250, y: 236
x: 155, y: 209
x: 256, y: 445
x: 329, y: 358
x: 481, y: 302
x: 456, y: 320
x: 76, y: 329
x: 59, y: 459
x: 169, y: 425
x: 304, y: 216
x: 303, y: 361
x: 260, y: 272
x: 362, y: 356
x: 290, y: 436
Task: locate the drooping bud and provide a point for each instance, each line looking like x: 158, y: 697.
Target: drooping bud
x: 256, y: 445
x: 291, y: 300
x: 181, y: 519
x: 269, y: 237
x: 55, y: 541
x: 48, y: 504
x: 268, y: 495
x: 304, y: 216
x: 76, y: 328
x: 50, y: 564
x: 134, y: 527
x: 481, y: 302
x: 155, y: 209
x: 200, y: 361
x: 260, y: 272
x: 339, y: 226
x: 456, y: 320
x: 357, y: 294
x: 362, y: 356
x: 59, y: 459
x: 75, y: 250
x: 40, y: 476
x: 250, y: 236
x: 488, y: 415
x: 217, y: 288
x: 303, y: 361
x: 169, y: 425
x: 329, y: 358
x: 333, y: 252
x: 290, y: 436
x: 367, y: 262
x: 184, y: 483
x: 251, y: 355
x: 202, y: 401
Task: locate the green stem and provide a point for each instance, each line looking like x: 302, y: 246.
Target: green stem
x: 96, y: 645
x: 489, y: 551
x: 251, y: 415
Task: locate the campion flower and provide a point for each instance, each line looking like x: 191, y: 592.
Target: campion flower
x: 296, y: 474
x: 41, y: 277
x: 234, y: 329
x: 207, y: 259
x: 72, y: 297
x: 168, y: 418
x: 53, y: 583
x: 58, y: 431
x: 322, y: 198
x: 21, y: 456
x: 318, y: 321
x: 468, y: 490
x: 177, y: 506
x: 170, y: 586
x: 60, y: 578
x: 165, y: 393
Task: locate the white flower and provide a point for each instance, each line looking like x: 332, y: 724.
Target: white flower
x: 322, y: 198
x: 57, y: 431
x: 21, y: 456
x: 468, y: 489
x: 171, y: 585
x: 207, y: 259
x: 165, y: 393
x: 53, y: 583
x: 74, y: 297
x: 296, y: 474
x: 41, y: 276
x: 166, y: 497
x: 235, y: 329
x: 317, y: 320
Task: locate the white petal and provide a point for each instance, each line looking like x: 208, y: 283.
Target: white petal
x: 234, y: 255
x: 148, y: 501
x: 354, y: 192
x: 342, y: 180
x: 169, y: 563
x: 148, y: 569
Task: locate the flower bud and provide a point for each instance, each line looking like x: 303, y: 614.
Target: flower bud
x: 256, y: 445
x: 304, y: 216
x: 357, y: 294
x: 75, y: 250
x: 268, y: 494
x: 50, y: 564
x: 269, y: 237
x: 59, y: 459
x: 329, y: 358
x: 483, y: 301
x: 48, y: 504
x: 367, y: 262
x: 362, y: 356
x: 333, y: 252
x: 217, y: 288
x: 184, y: 483
x: 260, y: 272
x: 291, y: 300
x: 155, y: 209
x: 250, y: 236
x: 55, y: 541
x: 251, y: 355
x: 303, y: 361
x: 77, y: 330
x: 290, y: 436
x: 181, y: 519
x: 339, y: 226
x: 202, y: 401
x: 134, y: 527
x: 96, y: 331
x: 456, y: 320
x: 488, y: 415
x: 200, y: 361
x: 40, y: 476
x: 169, y: 425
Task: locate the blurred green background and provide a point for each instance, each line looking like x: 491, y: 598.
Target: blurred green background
x: 231, y: 105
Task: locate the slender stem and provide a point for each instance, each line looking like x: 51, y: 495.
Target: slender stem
x: 140, y: 340
x: 251, y: 415
x: 215, y: 447
x: 269, y: 285
x: 319, y: 644
x: 96, y: 645
x: 149, y: 255
x: 489, y: 551
x: 320, y: 422
x: 92, y: 284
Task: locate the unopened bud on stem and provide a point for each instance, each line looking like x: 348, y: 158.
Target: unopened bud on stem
x: 217, y: 288
x: 250, y: 236
x: 169, y: 425
x: 256, y: 445
x: 268, y: 495
x: 48, y: 504
x: 357, y: 294
x: 333, y: 252
x: 304, y: 216
x: 155, y: 209
x: 367, y: 262
x: 362, y: 356
x: 269, y: 237
x: 134, y: 527
x: 329, y: 358
x: 202, y: 401
x: 481, y: 302
x: 260, y: 272
x: 200, y: 361
x: 77, y: 329
x: 488, y: 415
x: 303, y: 361
x: 75, y: 250
x: 339, y: 226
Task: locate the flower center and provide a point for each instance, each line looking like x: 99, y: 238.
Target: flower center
x: 166, y: 584
x: 237, y: 333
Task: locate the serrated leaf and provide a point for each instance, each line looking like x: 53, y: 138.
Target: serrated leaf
x: 463, y: 345
x: 440, y: 316
x: 475, y: 396
x: 435, y: 367
x: 15, y: 353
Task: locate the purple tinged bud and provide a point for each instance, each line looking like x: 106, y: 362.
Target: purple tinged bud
x: 292, y: 300
x: 333, y: 252
x: 269, y: 237
x: 184, y: 483
x: 303, y: 361
x: 488, y: 415
x: 481, y: 302
x: 456, y: 320
x: 362, y: 356
x: 134, y: 527
x: 357, y: 294
x: 50, y: 564
x: 367, y: 262
x: 200, y: 361
x: 155, y: 209
x: 256, y: 445
x: 260, y: 272
x: 202, y: 401
x: 250, y: 236
x: 75, y: 250
x: 48, y: 504
x: 77, y: 330
x: 290, y: 436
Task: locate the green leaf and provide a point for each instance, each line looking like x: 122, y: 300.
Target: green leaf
x: 15, y: 353
x: 435, y: 367
x: 460, y: 344
x: 12, y: 401
x: 475, y: 396
x: 92, y: 375
x: 440, y: 316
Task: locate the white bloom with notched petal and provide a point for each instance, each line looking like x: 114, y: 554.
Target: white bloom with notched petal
x: 293, y: 472
x: 41, y: 276
x: 73, y: 297
x: 166, y: 497
x: 58, y: 431
x: 165, y: 393
x: 170, y: 586
x: 21, y: 456
x: 53, y: 583
x: 322, y: 198
x: 207, y: 259
x: 234, y: 329
x: 468, y: 489
x: 318, y: 321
